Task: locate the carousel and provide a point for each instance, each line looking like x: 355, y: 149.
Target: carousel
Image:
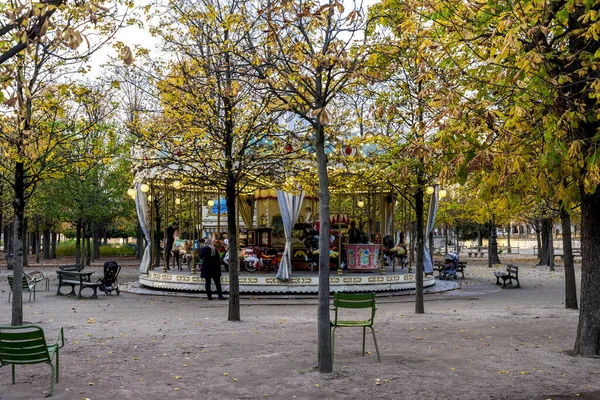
x: 278, y: 238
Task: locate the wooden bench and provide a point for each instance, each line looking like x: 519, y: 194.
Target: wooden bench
x: 74, y: 278
x: 512, y: 272
x: 576, y: 252
x: 27, y: 345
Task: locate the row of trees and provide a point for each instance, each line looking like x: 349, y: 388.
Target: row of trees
x: 496, y: 98
x: 51, y: 126
x: 437, y: 97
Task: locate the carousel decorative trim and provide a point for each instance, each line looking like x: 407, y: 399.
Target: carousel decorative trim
x: 296, y: 284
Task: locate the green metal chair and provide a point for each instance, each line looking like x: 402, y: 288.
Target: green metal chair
x: 354, y: 301
x: 27, y: 285
x: 27, y: 345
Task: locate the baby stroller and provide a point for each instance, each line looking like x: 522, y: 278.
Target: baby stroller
x: 108, y: 283
x: 450, y: 266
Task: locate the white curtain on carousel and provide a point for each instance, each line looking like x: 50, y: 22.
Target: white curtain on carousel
x: 290, y: 206
x: 141, y: 206
x: 433, y: 207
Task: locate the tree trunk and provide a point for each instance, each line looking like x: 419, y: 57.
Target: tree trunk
x: 588, y: 331
x: 5, y: 233
x: 539, y: 241
x: 96, y: 242
x: 37, y: 240
x: 419, y: 297
x: 547, y: 250
x: 324, y: 329
x: 2, y: 218
x: 53, y: 246
x: 88, y: 247
x: 25, y: 245
x: 457, y: 240
x: 46, y: 243
x: 78, y: 260
x: 413, y: 242
x: 19, y: 233
x: 508, y: 239
x: 479, y: 237
x: 493, y: 245
x: 232, y: 233
x: 446, y: 239
x: 570, y: 285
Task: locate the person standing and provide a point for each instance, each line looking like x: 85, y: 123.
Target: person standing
x: 171, y: 233
x: 211, y: 268
x: 353, y: 234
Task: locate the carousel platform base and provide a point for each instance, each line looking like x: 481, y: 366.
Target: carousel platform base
x: 300, y: 282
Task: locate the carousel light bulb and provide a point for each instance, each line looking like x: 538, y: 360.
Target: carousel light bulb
x: 144, y: 188
x: 178, y: 201
x: 150, y: 198
x: 131, y: 192
x: 177, y: 184
x: 360, y: 203
x: 211, y: 203
x: 443, y: 193
x: 429, y: 190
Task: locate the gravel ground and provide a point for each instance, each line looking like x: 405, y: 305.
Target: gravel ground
x: 478, y: 342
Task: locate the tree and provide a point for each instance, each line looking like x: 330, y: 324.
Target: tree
x: 22, y: 24
x: 409, y: 101
x: 306, y: 56
x: 533, y: 94
x: 215, y: 123
x: 36, y: 133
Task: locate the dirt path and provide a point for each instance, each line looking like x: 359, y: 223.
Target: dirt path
x: 479, y: 342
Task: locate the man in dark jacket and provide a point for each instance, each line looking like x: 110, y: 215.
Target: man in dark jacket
x: 211, y: 268
x: 353, y: 234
